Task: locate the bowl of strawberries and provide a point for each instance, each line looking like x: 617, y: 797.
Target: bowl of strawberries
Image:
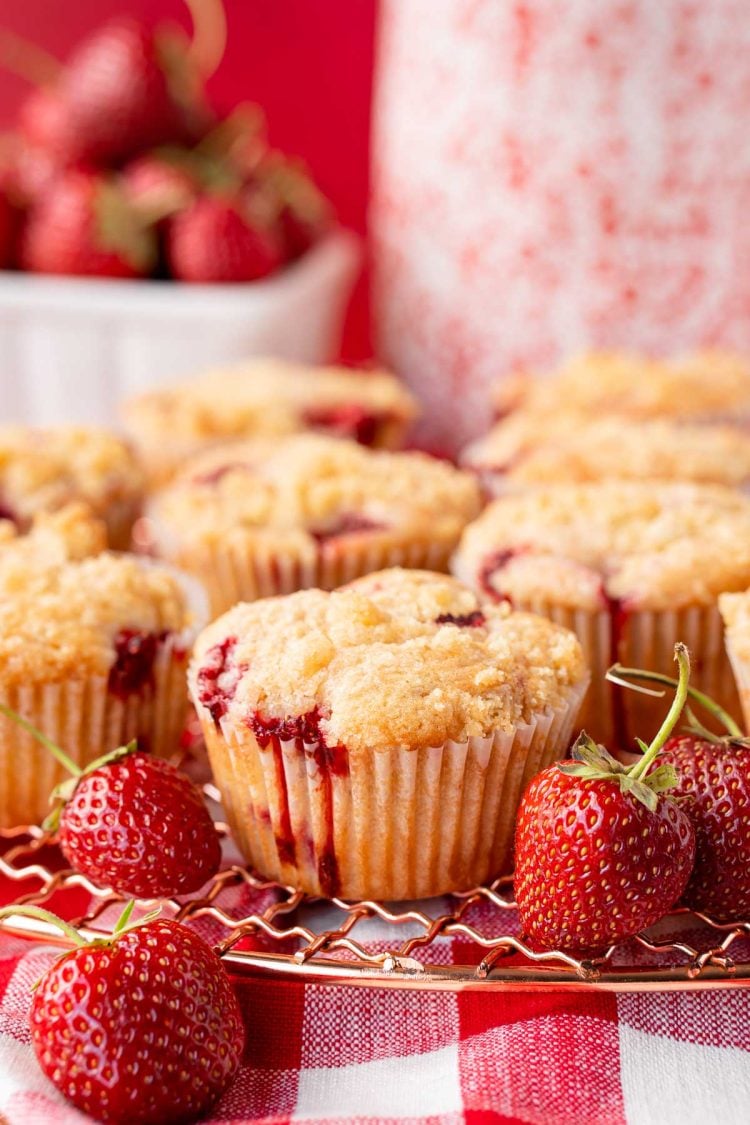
x: 142, y: 235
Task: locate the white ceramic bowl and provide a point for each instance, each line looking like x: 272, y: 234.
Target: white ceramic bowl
x: 71, y: 348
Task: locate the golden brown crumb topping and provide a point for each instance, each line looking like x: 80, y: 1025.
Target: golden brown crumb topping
x: 650, y: 545
x: 525, y: 450
x: 44, y: 469
x: 61, y: 620
x: 397, y: 659
x: 705, y: 385
x: 263, y: 398
x: 307, y: 487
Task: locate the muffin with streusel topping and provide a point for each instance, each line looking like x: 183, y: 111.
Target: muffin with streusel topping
x: 265, y: 398
x: 525, y: 451
x: 704, y: 386
x: 735, y: 610
x: 42, y: 470
x: 53, y: 538
x: 93, y: 652
x: 260, y: 518
x: 375, y: 741
x: 631, y: 568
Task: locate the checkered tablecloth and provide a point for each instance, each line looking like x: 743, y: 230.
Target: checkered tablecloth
x: 336, y: 1054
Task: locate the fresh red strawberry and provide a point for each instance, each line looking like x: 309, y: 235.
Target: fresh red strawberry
x: 43, y: 123
x: 83, y: 224
x: 143, y: 1029
x: 34, y: 171
x: 713, y: 782
x: 160, y: 182
x: 601, y: 852
x: 140, y: 826
x: 127, y: 88
x: 133, y: 823
x: 216, y: 239
x: 304, y: 214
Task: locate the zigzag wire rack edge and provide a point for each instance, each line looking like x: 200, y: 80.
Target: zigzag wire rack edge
x: 405, y: 964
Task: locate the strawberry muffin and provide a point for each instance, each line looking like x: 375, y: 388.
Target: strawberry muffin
x: 93, y: 651
x: 261, y: 518
x: 52, y: 539
x: 375, y: 741
x: 735, y: 610
x: 42, y: 470
x: 631, y: 568
x: 525, y: 451
x: 708, y: 386
x: 265, y: 398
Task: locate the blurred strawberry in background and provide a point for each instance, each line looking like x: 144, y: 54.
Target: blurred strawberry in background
x: 140, y: 101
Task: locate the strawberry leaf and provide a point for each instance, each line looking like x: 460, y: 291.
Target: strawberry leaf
x: 640, y: 790
x: 661, y: 779
x: 122, y: 230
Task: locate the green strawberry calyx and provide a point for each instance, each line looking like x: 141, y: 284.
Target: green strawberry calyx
x: 121, y: 229
x: 62, y: 793
x: 594, y: 762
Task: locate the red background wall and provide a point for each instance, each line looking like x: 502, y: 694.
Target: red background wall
x: 307, y: 62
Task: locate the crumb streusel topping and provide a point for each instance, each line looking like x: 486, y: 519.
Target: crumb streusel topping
x: 398, y: 659
x: 307, y: 487
x: 259, y: 398
x: 702, y: 385
x: 42, y: 469
x: 525, y: 450
x: 649, y: 545
x: 60, y: 621
x: 67, y: 535
x: 735, y: 610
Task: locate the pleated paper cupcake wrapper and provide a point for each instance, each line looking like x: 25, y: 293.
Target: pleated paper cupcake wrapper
x: 388, y: 824
x: 741, y: 670
x: 236, y: 572
x: 614, y: 715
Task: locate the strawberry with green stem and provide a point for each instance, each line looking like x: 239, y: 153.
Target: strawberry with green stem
x: 143, y: 1027
x: 713, y: 788
x: 131, y: 822
x: 84, y: 224
x: 602, y: 851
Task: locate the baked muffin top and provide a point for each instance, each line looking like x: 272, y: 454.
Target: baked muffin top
x: 525, y: 450
x: 104, y: 615
x: 705, y: 385
x: 398, y: 659
x: 44, y: 469
x: 735, y: 609
x: 70, y: 534
x: 307, y: 489
x: 646, y: 545
x: 266, y: 397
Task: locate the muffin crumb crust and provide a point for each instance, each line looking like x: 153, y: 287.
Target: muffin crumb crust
x: 397, y: 659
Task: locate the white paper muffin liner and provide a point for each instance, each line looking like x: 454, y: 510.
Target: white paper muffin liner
x: 234, y: 571
x: 386, y: 824
x: 741, y: 669
x: 86, y: 720
x: 614, y: 715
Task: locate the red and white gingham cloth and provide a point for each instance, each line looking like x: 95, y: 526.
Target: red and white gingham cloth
x: 325, y: 1053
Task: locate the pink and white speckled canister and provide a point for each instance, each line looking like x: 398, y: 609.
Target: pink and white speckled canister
x: 549, y: 177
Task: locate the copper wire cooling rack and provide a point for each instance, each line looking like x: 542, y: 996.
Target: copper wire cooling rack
x: 462, y: 941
